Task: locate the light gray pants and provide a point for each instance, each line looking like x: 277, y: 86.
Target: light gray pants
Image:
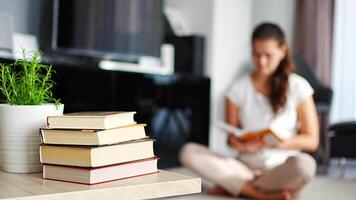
x: 231, y: 174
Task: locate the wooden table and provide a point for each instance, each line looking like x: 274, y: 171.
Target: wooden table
x: 32, y: 186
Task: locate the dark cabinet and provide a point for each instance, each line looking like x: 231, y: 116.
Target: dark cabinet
x: 175, y: 108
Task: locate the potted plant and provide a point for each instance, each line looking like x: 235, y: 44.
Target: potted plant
x: 26, y: 88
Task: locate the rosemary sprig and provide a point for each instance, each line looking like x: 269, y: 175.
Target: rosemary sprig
x: 27, y: 81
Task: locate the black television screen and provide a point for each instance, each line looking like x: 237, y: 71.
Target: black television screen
x: 111, y: 29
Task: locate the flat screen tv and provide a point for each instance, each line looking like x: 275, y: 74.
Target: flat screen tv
x: 109, y: 29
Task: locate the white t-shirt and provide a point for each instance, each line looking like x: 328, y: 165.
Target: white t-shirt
x: 256, y: 114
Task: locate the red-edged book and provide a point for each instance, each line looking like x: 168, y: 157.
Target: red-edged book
x: 90, y: 176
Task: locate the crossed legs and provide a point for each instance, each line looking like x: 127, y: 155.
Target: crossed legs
x: 232, y: 175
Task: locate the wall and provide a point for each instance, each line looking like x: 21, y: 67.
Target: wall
x: 231, y: 50
x: 26, y: 14
x: 277, y: 11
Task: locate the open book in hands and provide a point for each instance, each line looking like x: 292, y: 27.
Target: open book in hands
x: 271, y: 135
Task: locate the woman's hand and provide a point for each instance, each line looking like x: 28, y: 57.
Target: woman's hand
x: 282, y: 145
x: 250, y: 146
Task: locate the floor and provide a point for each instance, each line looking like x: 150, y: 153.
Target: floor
x: 331, y: 186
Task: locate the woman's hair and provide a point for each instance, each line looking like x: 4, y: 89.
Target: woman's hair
x: 279, y: 80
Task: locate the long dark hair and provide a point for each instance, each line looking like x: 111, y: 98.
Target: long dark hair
x: 279, y: 80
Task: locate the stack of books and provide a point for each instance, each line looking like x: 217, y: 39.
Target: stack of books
x: 95, y: 147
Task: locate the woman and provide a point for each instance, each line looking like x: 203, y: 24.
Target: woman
x: 271, y: 95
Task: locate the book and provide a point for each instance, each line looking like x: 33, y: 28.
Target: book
x: 91, y: 120
x: 88, y: 156
x: 93, y: 137
x: 271, y: 134
x: 98, y: 175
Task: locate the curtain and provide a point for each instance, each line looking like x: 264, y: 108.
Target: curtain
x: 313, y: 35
x: 344, y: 62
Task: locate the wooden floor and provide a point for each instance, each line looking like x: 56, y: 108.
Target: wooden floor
x: 32, y: 186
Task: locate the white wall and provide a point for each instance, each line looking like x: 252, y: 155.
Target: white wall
x: 26, y: 14
x: 231, y: 50
x: 281, y: 12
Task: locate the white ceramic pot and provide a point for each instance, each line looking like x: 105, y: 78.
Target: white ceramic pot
x: 19, y: 135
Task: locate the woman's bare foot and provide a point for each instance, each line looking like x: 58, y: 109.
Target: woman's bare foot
x: 217, y: 190
x: 249, y: 190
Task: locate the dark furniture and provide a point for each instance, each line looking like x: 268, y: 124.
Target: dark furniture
x: 323, y: 97
x: 175, y: 108
x: 343, y: 139
x: 342, y: 142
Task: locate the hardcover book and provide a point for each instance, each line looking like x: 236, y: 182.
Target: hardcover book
x: 86, y: 156
x: 93, y: 137
x: 97, y: 175
x: 91, y: 120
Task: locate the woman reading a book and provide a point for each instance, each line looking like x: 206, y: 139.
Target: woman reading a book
x: 272, y: 95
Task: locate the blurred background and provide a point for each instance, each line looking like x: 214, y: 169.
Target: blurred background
x: 173, y: 60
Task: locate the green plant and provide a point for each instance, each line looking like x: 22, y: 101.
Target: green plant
x: 26, y: 81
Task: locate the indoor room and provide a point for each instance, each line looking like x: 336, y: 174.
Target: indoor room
x: 177, y: 99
